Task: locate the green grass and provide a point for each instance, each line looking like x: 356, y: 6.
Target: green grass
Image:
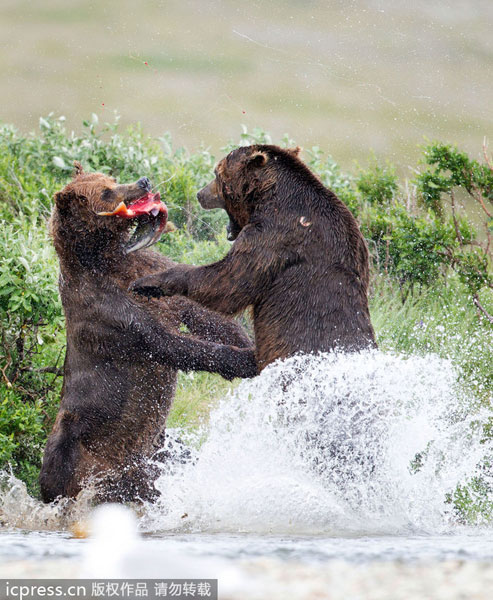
x: 196, y: 395
x: 346, y: 76
x: 442, y: 320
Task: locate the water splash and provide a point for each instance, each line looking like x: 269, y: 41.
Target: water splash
x: 358, y: 444
x: 20, y: 510
x: 337, y: 444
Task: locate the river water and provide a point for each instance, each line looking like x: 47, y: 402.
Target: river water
x: 325, y: 477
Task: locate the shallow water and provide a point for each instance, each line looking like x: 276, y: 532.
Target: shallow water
x: 271, y: 567
x: 313, y: 550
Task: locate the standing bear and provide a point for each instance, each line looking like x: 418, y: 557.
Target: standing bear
x: 123, y: 352
x: 299, y: 259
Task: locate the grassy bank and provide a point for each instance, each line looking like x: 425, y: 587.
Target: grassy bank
x: 346, y: 75
x: 431, y: 268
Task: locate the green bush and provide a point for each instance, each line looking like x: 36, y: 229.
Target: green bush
x: 31, y: 327
x: 448, y: 169
x: 34, y: 167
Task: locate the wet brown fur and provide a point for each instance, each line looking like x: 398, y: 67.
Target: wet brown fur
x: 299, y: 259
x: 123, y: 352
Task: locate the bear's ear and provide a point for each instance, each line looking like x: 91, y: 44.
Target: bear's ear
x: 59, y: 198
x: 294, y: 151
x: 258, y: 159
x: 64, y: 198
x: 78, y: 170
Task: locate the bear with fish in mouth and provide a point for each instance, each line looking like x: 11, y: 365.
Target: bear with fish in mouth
x: 298, y: 259
x: 123, y: 352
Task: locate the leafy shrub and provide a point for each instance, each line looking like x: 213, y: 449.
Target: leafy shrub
x: 447, y: 169
x: 31, y: 327
x: 416, y: 246
x: 34, y: 167
x: 378, y: 184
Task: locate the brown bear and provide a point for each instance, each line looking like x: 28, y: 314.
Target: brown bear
x: 123, y: 352
x: 299, y: 259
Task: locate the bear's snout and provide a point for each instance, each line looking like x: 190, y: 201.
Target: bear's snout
x: 209, y: 198
x: 144, y: 183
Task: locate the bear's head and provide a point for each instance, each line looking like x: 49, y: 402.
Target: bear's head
x: 242, y: 180
x: 93, y: 207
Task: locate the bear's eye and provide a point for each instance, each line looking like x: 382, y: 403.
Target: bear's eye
x: 107, y: 195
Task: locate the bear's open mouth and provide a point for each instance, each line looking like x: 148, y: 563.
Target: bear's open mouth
x: 151, y: 215
x: 232, y: 230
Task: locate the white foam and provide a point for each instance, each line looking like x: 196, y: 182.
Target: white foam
x: 324, y: 444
